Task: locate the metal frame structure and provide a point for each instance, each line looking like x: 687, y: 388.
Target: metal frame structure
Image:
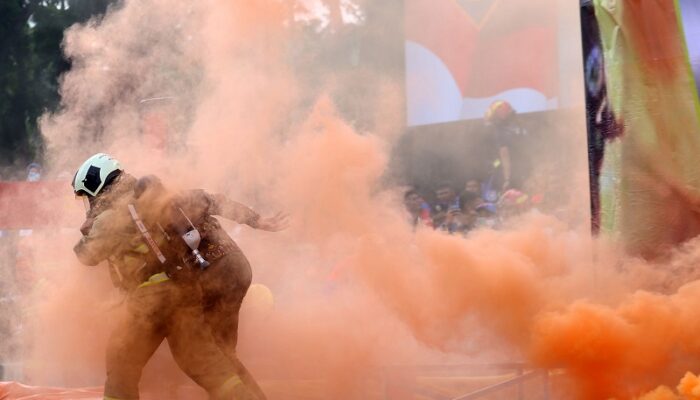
x: 402, y: 381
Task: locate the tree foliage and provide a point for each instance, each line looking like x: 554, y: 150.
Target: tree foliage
x: 352, y: 48
x: 31, y: 62
x: 349, y: 52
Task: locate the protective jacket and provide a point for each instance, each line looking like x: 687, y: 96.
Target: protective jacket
x: 113, y: 236
x: 158, y: 306
x: 196, y: 209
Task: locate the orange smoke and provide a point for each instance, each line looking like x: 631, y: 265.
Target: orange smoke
x: 355, y: 287
x: 688, y: 389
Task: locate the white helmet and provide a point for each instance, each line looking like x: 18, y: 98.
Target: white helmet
x: 95, y: 173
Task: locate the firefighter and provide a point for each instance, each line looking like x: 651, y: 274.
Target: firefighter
x: 511, y: 148
x: 161, y: 303
x: 223, y: 273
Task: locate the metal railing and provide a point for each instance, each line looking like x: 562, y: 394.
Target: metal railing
x: 518, y: 380
x: 402, y: 382
x: 437, y: 382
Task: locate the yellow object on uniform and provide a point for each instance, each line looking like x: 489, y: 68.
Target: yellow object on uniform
x: 141, y: 248
x: 259, y: 301
x: 155, y: 279
x: 230, y: 385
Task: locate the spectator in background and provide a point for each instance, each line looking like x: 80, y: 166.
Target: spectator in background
x: 483, y: 190
x: 463, y: 220
x: 453, y: 221
x: 512, y: 203
x: 33, y: 172
x: 473, y: 185
x: 446, y: 200
x: 418, y: 208
x: 487, y: 216
x: 33, y: 175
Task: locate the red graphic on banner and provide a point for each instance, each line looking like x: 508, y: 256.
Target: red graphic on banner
x: 508, y: 44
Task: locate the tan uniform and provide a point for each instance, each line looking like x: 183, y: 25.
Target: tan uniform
x: 157, y: 308
x: 225, y: 282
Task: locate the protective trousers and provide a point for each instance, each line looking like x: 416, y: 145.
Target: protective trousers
x: 224, y: 285
x: 160, y: 310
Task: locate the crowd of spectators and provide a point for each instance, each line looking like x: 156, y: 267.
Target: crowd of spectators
x: 511, y: 182
x: 476, y: 205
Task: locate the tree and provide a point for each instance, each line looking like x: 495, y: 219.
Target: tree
x: 17, y: 101
x: 351, y: 47
x: 31, y: 62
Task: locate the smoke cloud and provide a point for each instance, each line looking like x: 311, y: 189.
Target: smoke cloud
x: 354, y: 288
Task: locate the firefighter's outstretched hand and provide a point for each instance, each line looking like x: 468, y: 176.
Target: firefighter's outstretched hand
x: 275, y: 223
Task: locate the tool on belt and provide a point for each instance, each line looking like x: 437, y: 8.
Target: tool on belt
x: 192, y: 238
x: 188, y: 232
